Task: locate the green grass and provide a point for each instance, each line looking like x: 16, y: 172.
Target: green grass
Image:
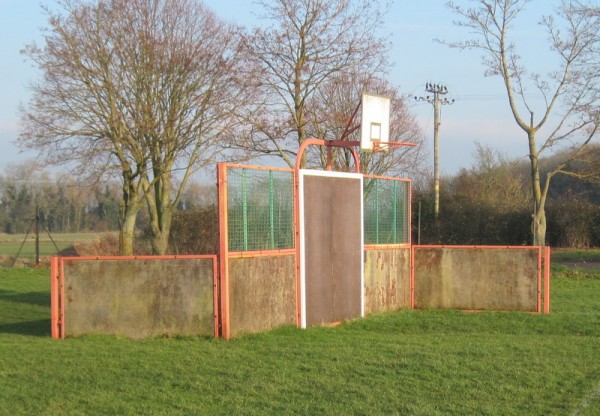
x: 24, y: 245
x: 47, y: 248
x: 576, y: 255
x: 411, y: 362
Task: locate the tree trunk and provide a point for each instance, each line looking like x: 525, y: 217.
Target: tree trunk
x: 127, y: 234
x: 539, y: 228
x: 161, y: 217
x: 160, y: 208
x: 160, y: 241
x: 538, y: 194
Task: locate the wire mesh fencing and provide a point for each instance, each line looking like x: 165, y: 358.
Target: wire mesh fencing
x: 569, y: 223
x: 260, y: 209
x: 471, y: 225
x: 261, y: 216
x: 386, y: 211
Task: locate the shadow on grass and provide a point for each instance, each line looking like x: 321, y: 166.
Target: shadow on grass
x: 32, y: 298
x: 39, y: 328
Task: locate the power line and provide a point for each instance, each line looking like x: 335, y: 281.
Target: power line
x: 494, y: 97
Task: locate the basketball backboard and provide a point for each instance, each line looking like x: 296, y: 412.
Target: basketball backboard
x: 375, y: 122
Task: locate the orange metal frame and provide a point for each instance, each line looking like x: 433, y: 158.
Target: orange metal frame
x: 221, y: 301
x: 57, y: 286
x: 329, y: 144
x: 222, y: 288
x: 261, y: 253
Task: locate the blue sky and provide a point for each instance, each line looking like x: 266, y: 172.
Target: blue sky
x: 480, y: 113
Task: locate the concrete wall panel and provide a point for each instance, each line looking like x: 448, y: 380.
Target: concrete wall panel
x: 139, y: 298
x: 476, y: 278
x: 262, y: 293
x: 387, y: 280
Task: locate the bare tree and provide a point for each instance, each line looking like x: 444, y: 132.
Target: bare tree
x: 309, y: 43
x: 330, y: 116
x: 143, y: 88
x: 570, y: 112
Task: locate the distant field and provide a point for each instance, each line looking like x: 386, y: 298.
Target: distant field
x: 11, y: 244
x: 576, y: 255
x: 404, y: 363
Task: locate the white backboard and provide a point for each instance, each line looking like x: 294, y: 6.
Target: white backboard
x: 375, y: 122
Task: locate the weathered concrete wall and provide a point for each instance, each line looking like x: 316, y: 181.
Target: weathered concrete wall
x: 139, y: 298
x: 262, y: 293
x: 387, y: 280
x: 503, y: 279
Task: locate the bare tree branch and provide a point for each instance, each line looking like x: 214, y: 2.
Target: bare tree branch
x: 147, y: 88
x: 309, y: 43
x: 570, y: 91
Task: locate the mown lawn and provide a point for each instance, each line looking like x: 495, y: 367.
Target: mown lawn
x: 411, y: 362
x: 21, y: 249
x: 576, y: 255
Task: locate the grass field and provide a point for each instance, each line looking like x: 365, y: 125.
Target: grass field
x: 23, y: 245
x: 408, y: 363
x: 576, y: 255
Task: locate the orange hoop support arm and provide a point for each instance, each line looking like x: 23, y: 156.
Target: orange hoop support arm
x: 329, y: 144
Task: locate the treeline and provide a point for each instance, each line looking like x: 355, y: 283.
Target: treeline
x: 65, y: 205
x: 486, y: 204
x: 490, y: 204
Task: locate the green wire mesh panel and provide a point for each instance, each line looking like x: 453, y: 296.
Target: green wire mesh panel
x: 260, y: 209
x: 386, y: 211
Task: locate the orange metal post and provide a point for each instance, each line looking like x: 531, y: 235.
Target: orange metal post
x: 54, y: 297
x: 297, y: 245
x: 216, y: 313
x: 61, y: 299
x: 410, y: 212
x: 223, y: 252
x: 547, y: 280
x: 412, y: 277
x: 539, y: 300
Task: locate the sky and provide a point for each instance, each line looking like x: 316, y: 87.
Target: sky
x: 480, y: 113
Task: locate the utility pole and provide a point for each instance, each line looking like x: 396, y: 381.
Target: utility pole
x: 437, y: 90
